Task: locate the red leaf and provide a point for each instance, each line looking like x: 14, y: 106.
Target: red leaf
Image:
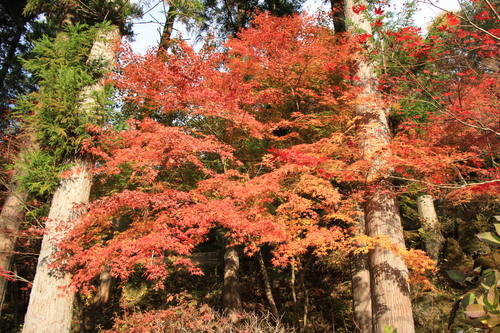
x: 452, y: 19
x: 378, y: 10
x: 358, y: 8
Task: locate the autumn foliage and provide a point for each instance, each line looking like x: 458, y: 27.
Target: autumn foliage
x: 261, y: 134
x: 257, y: 141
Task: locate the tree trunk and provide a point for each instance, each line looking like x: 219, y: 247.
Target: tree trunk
x: 361, y: 291
x: 305, y: 294
x: 231, y: 300
x: 271, y: 6
x: 391, y: 302
x: 168, y: 28
x: 267, y: 286
x: 11, y: 218
x: 294, y: 295
x: 51, y: 304
x: 338, y: 16
x: 105, y: 286
x: 9, y: 58
x: 433, y: 238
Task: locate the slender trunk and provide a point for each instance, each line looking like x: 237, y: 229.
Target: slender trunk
x: 294, y: 295
x: 271, y: 5
x: 231, y: 300
x: 9, y: 58
x: 338, y: 16
x: 241, y: 16
x: 11, y: 218
x: 433, y: 239
x: 168, y: 28
x: 105, y: 286
x: 267, y: 286
x: 51, y: 302
x: 80, y: 314
x: 305, y: 308
x: 391, y: 302
x: 305, y: 293
x: 361, y: 291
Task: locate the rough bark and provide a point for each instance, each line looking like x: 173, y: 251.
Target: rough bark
x: 51, y: 304
x: 10, y: 221
x: 361, y: 290
x: 433, y: 239
x: 391, y: 303
x: 231, y: 300
x: 267, y: 286
x: 103, y: 294
x: 11, y: 218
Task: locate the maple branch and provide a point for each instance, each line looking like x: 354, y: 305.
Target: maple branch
x: 482, y: 127
x: 427, y: 91
x: 440, y: 107
x: 11, y: 276
x: 459, y: 174
x: 466, y: 18
x: 445, y: 186
x: 492, y: 9
x: 21, y: 253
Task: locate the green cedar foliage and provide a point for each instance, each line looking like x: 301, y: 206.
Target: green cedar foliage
x: 54, y: 113
x: 90, y: 12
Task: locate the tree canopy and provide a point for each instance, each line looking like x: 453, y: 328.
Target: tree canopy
x: 303, y: 148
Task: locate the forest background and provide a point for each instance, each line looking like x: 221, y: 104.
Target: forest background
x: 293, y: 172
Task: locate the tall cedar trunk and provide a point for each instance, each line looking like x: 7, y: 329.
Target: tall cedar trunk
x: 231, y: 300
x: 11, y: 218
x: 267, y: 286
x: 391, y: 302
x: 433, y: 239
x: 361, y: 291
x: 50, y: 306
x: 104, y: 49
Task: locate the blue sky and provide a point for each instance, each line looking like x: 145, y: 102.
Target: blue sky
x: 148, y: 29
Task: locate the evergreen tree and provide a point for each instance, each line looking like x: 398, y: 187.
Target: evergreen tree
x: 71, y: 69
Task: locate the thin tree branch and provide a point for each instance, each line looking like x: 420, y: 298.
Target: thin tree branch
x: 466, y: 18
x: 493, y: 9
x: 483, y: 128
